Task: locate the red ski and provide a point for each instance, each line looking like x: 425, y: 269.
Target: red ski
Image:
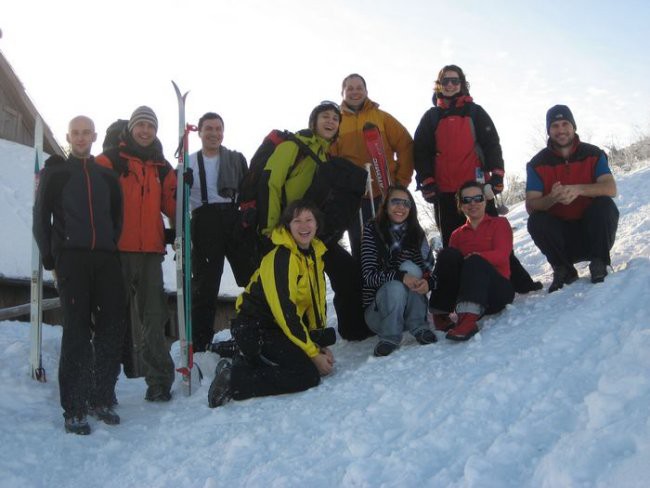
x: 375, y: 147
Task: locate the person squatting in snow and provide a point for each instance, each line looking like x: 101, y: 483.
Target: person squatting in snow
x: 569, y: 196
x: 280, y: 324
x: 396, y: 264
x: 77, y: 224
x: 473, y: 272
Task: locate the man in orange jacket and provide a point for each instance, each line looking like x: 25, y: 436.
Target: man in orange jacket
x: 357, y: 110
x: 148, y: 184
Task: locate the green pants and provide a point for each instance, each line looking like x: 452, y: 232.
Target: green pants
x: 143, y: 282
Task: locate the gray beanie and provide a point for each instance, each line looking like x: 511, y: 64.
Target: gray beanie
x: 143, y: 113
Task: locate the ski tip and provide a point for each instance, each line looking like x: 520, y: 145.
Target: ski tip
x: 178, y: 91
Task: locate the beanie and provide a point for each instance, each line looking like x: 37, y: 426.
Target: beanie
x: 140, y: 114
x: 559, y: 112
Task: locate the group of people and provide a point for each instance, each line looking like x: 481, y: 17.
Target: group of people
x: 99, y: 224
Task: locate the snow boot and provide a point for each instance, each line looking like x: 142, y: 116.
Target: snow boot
x: 105, y: 414
x: 562, y: 276
x: 598, y: 270
x: 220, y: 390
x: 465, y: 328
x: 384, y: 348
x: 443, y: 322
x: 77, y: 424
x: 157, y: 393
x: 425, y: 336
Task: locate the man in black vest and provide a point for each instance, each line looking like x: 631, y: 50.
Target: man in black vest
x: 217, y: 172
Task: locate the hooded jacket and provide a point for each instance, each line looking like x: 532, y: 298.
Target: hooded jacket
x: 148, y: 184
x: 288, y: 290
x: 398, y: 143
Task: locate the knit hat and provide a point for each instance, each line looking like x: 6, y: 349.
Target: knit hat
x: 140, y: 114
x: 559, y: 112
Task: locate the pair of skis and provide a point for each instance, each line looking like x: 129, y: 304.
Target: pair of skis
x: 378, y: 164
x: 189, y: 371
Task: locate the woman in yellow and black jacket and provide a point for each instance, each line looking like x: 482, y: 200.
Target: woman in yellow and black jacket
x: 280, y: 324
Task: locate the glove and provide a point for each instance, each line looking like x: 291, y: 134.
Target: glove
x: 429, y: 189
x: 496, y: 181
x: 170, y: 236
x: 188, y: 177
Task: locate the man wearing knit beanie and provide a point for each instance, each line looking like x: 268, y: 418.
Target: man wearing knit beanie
x: 569, y: 191
x: 148, y: 184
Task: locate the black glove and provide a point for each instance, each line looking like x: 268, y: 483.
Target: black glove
x: 170, y: 236
x: 496, y: 181
x: 429, y: 189
x: 48, y: 262
x: 188, y: 177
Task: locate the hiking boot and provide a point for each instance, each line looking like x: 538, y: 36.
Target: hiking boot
x: 598, y: 270
x: 105, y: 414
x: 562, y: 276
x: 465, y: 328
x: 225, y: 349
x: 158, y: 394
x: 384, y: 348
x: 443, y: 322
x: 425, y: 336
x: 220, y: 391
x: 77, y: 424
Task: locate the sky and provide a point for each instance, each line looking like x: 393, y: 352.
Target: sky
x: 265, y: 65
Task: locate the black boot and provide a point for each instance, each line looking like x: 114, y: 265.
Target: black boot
x: 220, y: 391
x: 77, y: 424
x: 562, y: 275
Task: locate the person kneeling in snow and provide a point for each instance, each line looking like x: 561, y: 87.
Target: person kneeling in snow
x: 473, y: 273
x: 396, y: 267
x: 279, y: 327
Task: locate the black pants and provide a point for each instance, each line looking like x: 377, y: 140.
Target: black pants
x: 272, y: 364
x: 354, y: 231
x: 448, y: 219
x: 469, y: 280
x: 566, y: 242
x: 212, y: 241
x: 344, y: 274
x: 90, y: 287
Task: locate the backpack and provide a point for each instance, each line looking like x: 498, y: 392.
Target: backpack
x: 248, y: 188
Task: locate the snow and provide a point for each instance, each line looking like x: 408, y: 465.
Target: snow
x: 553, y: 392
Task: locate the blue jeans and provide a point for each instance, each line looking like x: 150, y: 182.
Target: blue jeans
x: 396, y: 309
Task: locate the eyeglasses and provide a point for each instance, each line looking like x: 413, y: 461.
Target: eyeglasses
x: 453, y: 81
x: 329, y: 103
x: 400, y: 201
x: 475, y: 199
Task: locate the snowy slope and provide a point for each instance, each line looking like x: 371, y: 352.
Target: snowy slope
x: 16, y: 192
x: 553, y: 392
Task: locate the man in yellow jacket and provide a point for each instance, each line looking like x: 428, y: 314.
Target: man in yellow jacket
x: 357, y: 110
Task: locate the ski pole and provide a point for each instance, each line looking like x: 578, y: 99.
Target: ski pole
x: 369, y: 183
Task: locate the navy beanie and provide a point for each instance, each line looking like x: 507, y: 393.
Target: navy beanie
x: 559, y: 112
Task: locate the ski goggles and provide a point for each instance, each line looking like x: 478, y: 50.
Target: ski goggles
x: 400, y: 201
x: 453, y: 81
x: 475, y: 199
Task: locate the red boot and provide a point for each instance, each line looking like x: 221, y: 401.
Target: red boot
x: 443, y: 322
x: 465, y: 328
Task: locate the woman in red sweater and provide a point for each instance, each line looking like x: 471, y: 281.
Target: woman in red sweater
x: 473, y: 273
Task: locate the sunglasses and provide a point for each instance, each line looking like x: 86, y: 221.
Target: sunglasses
x: 400, y: 201
x: 329, y: 103
x: 475, y: 199
x: 453, y: 81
